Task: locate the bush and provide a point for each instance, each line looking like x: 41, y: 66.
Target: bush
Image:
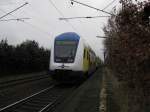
x: 128, y: 46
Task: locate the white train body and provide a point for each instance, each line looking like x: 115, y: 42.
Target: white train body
x: 75, y: 57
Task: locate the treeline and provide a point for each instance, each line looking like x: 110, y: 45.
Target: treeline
x: 25, y: 57
x: 128, y: 51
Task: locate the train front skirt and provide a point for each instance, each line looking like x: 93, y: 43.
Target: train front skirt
x: 68, y: 76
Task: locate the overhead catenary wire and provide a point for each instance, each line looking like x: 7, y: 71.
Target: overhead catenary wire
x: 9, y: 14
x: 6, y: 4
x: 20, y: 21
x: 108, y: 5
x: 56, y: 8
x: 31, y: 25
x: 86, y: 17
x: 38, y: 17
x: 35, y: 27
x: 61, y: 14
x: 17, y: 19
x: 72, y: 1
x: 13, y: 10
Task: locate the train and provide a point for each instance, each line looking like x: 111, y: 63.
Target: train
x: 71, y: 58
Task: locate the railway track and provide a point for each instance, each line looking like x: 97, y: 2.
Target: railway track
x: 14, y: 82
x: 41, y: 101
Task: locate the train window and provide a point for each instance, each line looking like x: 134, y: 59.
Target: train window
x: 87, y: 55
x: 84, y: 53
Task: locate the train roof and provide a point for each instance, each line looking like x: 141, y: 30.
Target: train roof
x: 68, y: 36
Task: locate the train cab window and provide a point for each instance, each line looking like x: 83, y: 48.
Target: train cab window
x: 65, y: 51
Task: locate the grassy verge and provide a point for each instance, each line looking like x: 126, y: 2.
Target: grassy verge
x: 117, y: 98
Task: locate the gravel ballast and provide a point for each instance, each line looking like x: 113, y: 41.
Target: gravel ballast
x: 86, y: 98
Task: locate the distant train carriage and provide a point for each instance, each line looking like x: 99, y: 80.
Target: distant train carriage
x: 71, y: 57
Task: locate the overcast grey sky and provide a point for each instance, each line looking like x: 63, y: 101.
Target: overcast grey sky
x: 44, y: 24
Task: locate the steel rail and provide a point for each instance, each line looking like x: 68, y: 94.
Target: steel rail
x: 49, y: 105
x: 22, y: 80
x: 25, y: 99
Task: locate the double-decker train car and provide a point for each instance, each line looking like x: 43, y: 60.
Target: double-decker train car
x: 71, y: 57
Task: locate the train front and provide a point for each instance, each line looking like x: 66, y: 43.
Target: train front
x: 65, y: 57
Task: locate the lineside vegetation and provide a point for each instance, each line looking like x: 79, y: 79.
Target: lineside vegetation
x: 23, y: 58
x: 128, y: 51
